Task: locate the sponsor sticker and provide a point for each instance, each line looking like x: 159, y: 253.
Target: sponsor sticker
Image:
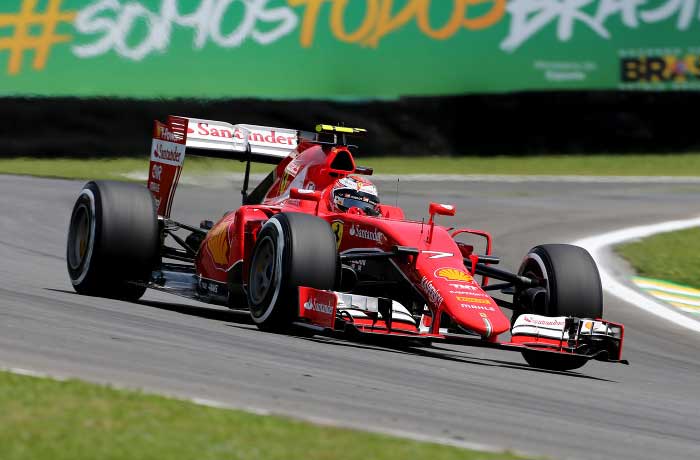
x: 453, y: 274
x: 366, y: 234
x: 163, y: 133
x: 156, y: 171
x: 210, y: 287
x: 468, y: 293
x: 433, y: 294
x: 477, y: 307
x: 167, y: 158
x: 168, y: 153
x: 317, y: 306
x: 542, y: 321
x: 478, y: 300
x: 471, y: 287
x: 293, y: 167
x: 218, y: 244
x: 358, y: 265
x: 205, y: 130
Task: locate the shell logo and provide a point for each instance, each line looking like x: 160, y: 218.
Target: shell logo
x: 218, y: 244
x: 453, y: 274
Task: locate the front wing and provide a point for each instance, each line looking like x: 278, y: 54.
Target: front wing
x: 592, y: 339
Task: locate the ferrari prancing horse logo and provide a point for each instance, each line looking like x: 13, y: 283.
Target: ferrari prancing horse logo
x: 337, y: 227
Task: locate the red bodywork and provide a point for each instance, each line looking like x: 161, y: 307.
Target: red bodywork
x: 302, y: 181
x: 438, y: 271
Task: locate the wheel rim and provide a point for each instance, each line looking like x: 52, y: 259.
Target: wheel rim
x: 533, y: 267
x: 79, y: 238
x: 262, y: 272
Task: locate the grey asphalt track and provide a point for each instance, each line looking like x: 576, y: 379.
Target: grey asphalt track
x: 647, y: 410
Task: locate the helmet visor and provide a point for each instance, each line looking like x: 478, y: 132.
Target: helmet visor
x: 352, y: 199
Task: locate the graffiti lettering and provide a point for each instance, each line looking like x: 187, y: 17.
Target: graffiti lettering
x: 683, y: 8
x: 114, y: 23
x: 528, y: 17
x: 380, y: 19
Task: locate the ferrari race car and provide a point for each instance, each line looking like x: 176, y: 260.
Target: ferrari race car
x: 312, y: 248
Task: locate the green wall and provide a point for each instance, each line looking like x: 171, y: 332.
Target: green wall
x: 344, y: 48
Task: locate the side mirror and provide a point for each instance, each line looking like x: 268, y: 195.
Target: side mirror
x: 364, y: 170
x: 441, y: 209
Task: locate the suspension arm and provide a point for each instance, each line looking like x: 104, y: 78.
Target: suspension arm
x: 497, y: 273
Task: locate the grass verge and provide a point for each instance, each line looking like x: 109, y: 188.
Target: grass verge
x: 686, y: 164
x: 673, y: 256
x: 73, y: 420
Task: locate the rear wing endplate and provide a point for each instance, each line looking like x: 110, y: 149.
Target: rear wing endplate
x: 249, y: 143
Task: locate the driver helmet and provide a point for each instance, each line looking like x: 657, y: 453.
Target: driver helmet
x: 355, y: 192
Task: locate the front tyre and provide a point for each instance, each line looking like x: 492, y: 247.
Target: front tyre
x: 572, y: 287
x: 113, y: 240
x: 291, y: 250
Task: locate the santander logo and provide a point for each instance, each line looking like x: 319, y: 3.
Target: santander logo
x: 163, y: 153
x: 544, y: 322
x: 366, y: 234
x: 311, y: 304
x: 204, y: 130
x: 431, y: 291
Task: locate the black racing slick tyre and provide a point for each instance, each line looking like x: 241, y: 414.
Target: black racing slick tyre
x: 573, y: 288
x: 291, y: 250
x: 113, y: 240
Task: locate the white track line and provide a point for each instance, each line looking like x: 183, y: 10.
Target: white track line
x: 599, y: 247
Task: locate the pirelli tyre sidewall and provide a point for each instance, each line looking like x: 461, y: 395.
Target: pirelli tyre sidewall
x: 113, y: 240
x: 573, y: 287
x: 291, y: 250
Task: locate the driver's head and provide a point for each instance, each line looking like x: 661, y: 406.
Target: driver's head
x: 355, y: 192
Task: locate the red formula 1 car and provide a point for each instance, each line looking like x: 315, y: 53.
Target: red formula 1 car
x: 312, y: 247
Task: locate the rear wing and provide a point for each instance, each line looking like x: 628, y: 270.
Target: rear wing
x: 224, y: 140
x: 171, y: 140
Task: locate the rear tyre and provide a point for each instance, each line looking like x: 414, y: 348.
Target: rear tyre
x: 291, y: 250
x: 572, y: 288
x: 113, y: 240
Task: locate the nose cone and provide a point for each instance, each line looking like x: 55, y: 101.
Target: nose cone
x: 447, y: 286
x: 477, y: 311
x: 468, y: 304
